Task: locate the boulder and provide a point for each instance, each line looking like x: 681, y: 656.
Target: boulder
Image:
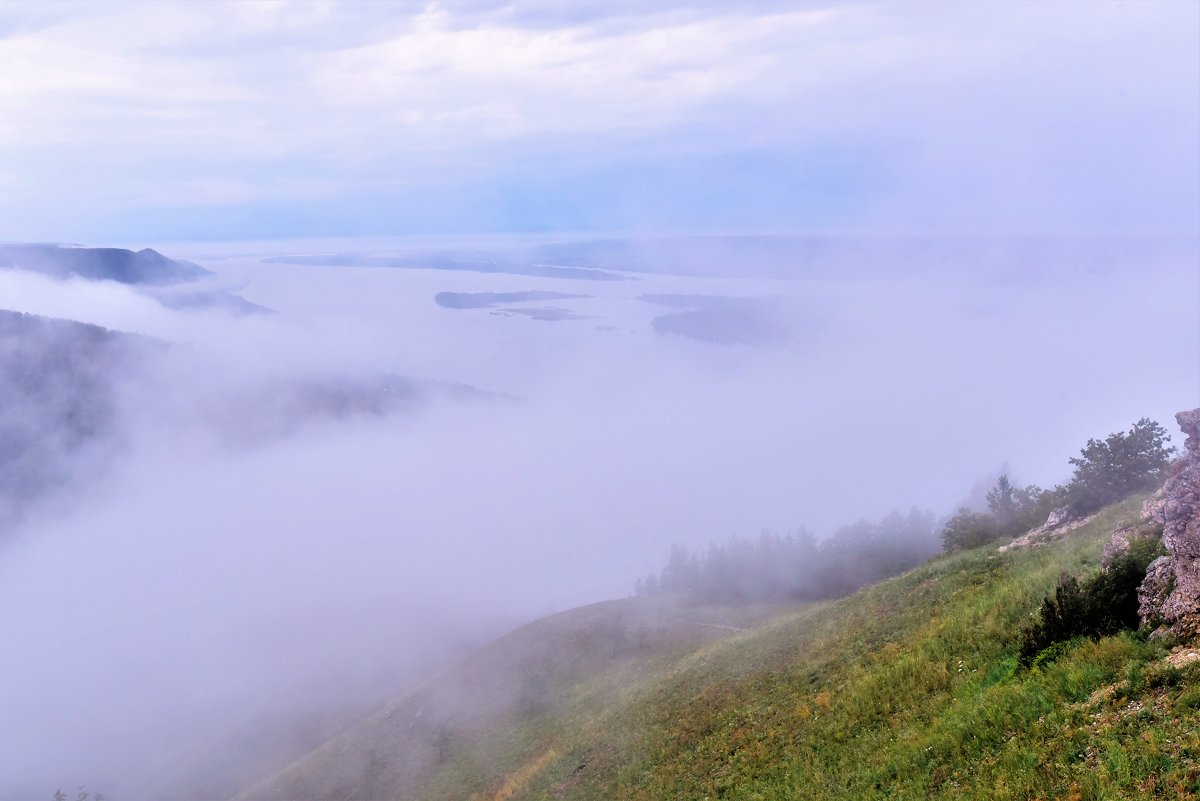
x: 1170, y: 594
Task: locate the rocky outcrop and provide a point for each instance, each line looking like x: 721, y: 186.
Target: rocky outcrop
x: 1127, y: 535
x: 1056, y: 527
x: 1170, y: 594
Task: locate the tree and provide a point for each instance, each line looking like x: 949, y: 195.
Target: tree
x: 646, y: 586
x: 1034, y: 505
x: 1017, y: 509
x: 968, y: 530
x: 83, y: 795
x: 1002, y: 502
x: 680, y: 572
x: 1121, y: 464
x: 795, y: 566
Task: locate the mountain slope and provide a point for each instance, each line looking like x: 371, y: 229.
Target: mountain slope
x: 145, y: 266
x: 174, y: 283
x: 910, y: 689
x: 70, y: 392
x: 479, y: 720
x: 58, y: 397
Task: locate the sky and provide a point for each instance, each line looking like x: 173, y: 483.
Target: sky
x: 232, y: 121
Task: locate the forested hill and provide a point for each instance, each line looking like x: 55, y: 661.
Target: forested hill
x: 174, y: 283
x: 144, y: 266
x: 59, y: 381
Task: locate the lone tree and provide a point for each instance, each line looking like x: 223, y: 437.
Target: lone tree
x: 1002, y: 502
x: 1121, y: 464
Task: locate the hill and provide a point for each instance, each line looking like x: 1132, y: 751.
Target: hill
x: 58, y: 399
x: 145, y: 266
x: 910, y: 689
x: 174, y: 283
x: 71, y: 393
x: 482, y: 718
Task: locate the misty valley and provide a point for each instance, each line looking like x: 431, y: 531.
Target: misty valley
x: 324, y: 509
x: 653, y: 400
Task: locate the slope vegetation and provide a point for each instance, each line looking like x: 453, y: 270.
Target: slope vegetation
x: 58, y: 399
x: 473, y: 729
x: 908, y: 690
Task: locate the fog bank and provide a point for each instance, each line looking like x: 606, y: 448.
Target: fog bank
x: 218, y: 569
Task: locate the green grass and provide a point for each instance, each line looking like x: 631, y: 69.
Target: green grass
x: 908, y: 690
x: 485, y: 721
x: 911, y: 689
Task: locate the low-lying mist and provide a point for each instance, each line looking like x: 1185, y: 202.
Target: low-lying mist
x: 298, y: 514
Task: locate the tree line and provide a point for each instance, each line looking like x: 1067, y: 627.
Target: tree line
x: 1106, y: 471
x: 799, y: 566
x: 796, y: 565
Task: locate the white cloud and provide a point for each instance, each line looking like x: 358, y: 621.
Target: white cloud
x: 128, y: 103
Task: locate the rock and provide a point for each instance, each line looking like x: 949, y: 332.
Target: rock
x: 1182, y: 657
x: 1057, y: 526
x: 1122, y: 538
x: 1170, y: 594
x: 1152, y: 594
x: 1057, y: 517
x: 1126, y: 535
x: 1153, y: 507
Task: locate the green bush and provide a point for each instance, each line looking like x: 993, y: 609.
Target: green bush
x: 1189, y: 700
x: 1104, y: 604
x: 969, y: 529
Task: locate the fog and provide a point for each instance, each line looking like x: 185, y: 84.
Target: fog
x: 577, y: 282
x: 231, y: 567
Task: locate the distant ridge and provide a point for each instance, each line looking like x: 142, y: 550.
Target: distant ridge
x: 144, y: 266
x: 174, y: 283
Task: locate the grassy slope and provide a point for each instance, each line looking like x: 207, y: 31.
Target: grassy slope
x: 908, y: 690
x: 471, y: 727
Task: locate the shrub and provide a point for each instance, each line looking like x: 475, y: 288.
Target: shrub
x: 1189, y: 700
x: 968, y: 530
x: 1104, y: 604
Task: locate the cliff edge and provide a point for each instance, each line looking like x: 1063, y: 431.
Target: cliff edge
x: 1170, y: 595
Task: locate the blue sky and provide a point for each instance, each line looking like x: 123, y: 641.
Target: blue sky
x: 159, y: 121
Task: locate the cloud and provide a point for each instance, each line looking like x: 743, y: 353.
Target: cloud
x: 967, y: 111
